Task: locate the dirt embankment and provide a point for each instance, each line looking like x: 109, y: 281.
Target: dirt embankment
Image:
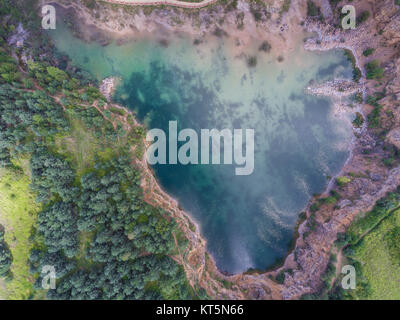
x: 370, y: 178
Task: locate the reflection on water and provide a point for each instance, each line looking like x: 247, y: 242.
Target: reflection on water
x: 247, y: 221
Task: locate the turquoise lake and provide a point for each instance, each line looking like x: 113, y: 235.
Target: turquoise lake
x: 248, y: 221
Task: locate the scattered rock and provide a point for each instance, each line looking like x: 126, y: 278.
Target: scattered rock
x: 393, y: 137
x: 375, y: 177
x: 344, y: 203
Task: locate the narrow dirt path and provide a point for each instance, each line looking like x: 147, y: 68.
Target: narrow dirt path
x: 175, y: 3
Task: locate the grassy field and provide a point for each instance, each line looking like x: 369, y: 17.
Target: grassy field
x: 81, y: 147
x: 378, y: 253
x: 18, y: 213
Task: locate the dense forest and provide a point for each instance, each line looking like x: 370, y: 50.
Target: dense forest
x: 103, y: 239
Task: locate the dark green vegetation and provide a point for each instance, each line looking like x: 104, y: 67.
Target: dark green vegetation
x: 259, y: 10
x: 94, y: 227
x: 314, y: 11
x: 5, y: 255
x: 285, y: 6
x: 252, y: 62
x: 334, y: 2
x: 358, y: 121
x: 356, y: 71
x: 367, y: 52
x: 265, y: 46
x: 363, y: 16
x: 374, y: 118
x: 374, y: 70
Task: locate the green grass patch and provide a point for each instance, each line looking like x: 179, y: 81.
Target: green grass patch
x: 81, y: 147
x: 18, y: 215
x: 342, y: 181
x: 118, y: 111
x: 378, y: 254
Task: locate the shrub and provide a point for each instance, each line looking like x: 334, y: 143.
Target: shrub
x: 388, y: 162
x: 314, y: 207
x: 285, y: 6
x: 280, y: 278
x: 252, y: 62
x: 312, y: 9
x: 358, y: 121
x: 256, y: 13
x: 374, y: 117
x: 374, y: 71
x: 265, y: 46
x: 358, y: 97
x: 356, y: 74
x: 342, y: 181
x: 368, y: 52
x: 330, y: 200
x: 363, y: 16
x: 356, y: 71
x: 90, y: 3
x: 334, y: 2
x: 335, y: 194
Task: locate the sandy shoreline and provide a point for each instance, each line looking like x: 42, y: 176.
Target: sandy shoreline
x: 275, y: 30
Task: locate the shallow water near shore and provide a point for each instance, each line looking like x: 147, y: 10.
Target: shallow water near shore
x: 248, y: 221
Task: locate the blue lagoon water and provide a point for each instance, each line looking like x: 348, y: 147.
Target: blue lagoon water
x: 248, y: 221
